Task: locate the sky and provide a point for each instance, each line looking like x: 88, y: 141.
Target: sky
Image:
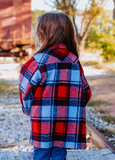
x: 40, y: 5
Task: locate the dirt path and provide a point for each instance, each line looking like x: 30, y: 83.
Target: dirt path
x: 103, y: 92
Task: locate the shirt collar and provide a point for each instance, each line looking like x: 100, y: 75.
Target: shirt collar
x: 61, y: 46
x: 61, y: 51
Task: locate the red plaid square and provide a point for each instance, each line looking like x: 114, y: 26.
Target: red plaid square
x: 47, y: 91
x: 35, y: 111
x: 60, y: 127
x: 45, y: 128
x: 36, y: 127
x: 63, y: 91
x: 61, y: 111
x: 72, y: 129
x: 63, y: 75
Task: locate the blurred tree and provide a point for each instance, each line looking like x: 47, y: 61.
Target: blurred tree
x: 93, y: 8
x: 102, y: 37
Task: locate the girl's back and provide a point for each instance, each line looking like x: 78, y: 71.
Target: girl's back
x: 53, y: 88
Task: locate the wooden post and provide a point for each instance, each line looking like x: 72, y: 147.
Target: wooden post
x: 114, y: 9
x: 0, y: 29
x: 23, y: 32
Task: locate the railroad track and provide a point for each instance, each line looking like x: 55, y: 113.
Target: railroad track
x: 98, y: 139
x: 104, y: 149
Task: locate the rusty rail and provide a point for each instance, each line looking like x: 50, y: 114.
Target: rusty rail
x: 98, y: 139
x: 7, y: 145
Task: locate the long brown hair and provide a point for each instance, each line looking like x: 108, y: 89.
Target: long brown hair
x: 55, y: 28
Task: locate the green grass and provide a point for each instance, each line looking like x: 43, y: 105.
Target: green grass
x: 89, y: 63
x: 15, y: 92
x: 93, y: 63
x: 97, y: 102
x: 107, y: 132
x: 101, y: 110
x: 108, y: 118
x: 4, y: 86
x: 8, y: 90
x: 12, y: 93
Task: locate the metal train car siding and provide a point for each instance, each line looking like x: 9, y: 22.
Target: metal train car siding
x: 15, y: 27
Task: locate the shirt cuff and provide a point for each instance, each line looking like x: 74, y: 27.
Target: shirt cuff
x: 26, y: 111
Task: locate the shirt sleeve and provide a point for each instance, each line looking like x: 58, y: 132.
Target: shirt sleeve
x: 29, y: 77
x: 85, y: 86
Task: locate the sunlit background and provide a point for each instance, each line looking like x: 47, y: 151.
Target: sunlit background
x: 41, y: 5
x: 97, y: 55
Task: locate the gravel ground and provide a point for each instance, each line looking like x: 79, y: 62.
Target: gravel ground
x: 98, y: 123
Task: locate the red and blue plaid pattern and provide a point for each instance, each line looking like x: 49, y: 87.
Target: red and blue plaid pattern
x: 54, y: 92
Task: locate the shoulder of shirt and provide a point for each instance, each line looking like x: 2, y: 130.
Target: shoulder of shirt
x: 42, y: 58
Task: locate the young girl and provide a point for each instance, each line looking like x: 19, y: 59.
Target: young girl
x: 53, y: 90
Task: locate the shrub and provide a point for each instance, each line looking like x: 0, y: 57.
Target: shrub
x: 102, y: 37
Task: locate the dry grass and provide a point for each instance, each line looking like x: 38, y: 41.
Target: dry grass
x: 4, y: 86
x: 107, y: 132
x: 97, y: 102
x: 95, y: 64
x: 110, y: 66
x: 101, y: 110
x: 112, y: 70
x: 7, y: 89
x: 108, y: 118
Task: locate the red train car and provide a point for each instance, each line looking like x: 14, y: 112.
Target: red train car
x: 15, y: 26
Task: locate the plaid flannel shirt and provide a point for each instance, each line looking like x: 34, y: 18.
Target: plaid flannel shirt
x: 54, y: 92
